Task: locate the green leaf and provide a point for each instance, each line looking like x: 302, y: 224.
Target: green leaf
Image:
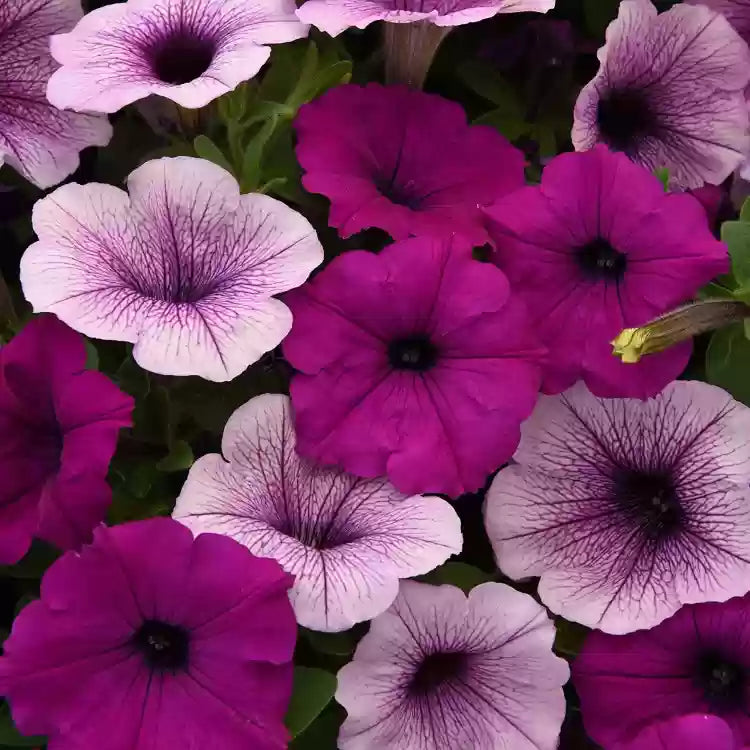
x: 207, y: 149
x: 745, y: 211
x: 599, y: 14
x: 179, y: 458
x: 305, y: 76
x: 336, y: 644
x: 323, y: 733
x: 662, y: 174
x: 250, y: 175
x: 736, y: 235
x: 458, y: 574
x: 92, y: 355
x: 313, y: 690
x: 569, y: 637
x: 34, y: 563
x: 10, y: 736
x: 728, y: 361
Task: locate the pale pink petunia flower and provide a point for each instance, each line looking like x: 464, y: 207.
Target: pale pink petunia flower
x: 184, y: 267
x: 36, y: 139
x: 669, y: 93
x: 189, y: 51
x: 627, y: 509
x: 443, y: 670
x: 346, y: 540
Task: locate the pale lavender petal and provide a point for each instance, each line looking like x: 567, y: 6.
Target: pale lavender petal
x: 670, y: 93
x: 346, y: 540
x: 439, y: 669
x: 628, y: 509
x: 36, y: 139
x: 335, y: 16
x: 184, y: 268
x: 190, y: 51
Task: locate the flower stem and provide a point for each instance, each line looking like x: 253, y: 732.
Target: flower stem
x: 409, y: 51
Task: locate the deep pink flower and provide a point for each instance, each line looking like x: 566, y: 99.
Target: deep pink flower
x: 598, y: 247
x: 627, y: 509
x: 189, y: 51
x: 669, y: 93
x: 404, y: 161
x: 696, y: 662
x: 37, y: 140
x: 346, y: 540
x: 58, y: 430
x: 335, y: 16
x: 690, y: 732
x: 149, y: 640
x: 417, y: 362
x: 441, y: 669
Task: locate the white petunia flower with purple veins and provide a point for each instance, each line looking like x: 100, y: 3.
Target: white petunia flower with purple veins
x: 36, y: 139
x: 184, y: 267
x: 189, y: 51
x: 669, y: 93
x: 346, y: 540
x: 443, y: 670
x: 628, y: 509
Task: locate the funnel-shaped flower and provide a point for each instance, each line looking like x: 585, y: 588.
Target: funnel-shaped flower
x: 628, y: 509
x: 184, y: 267
x: 346, y: 540
x: 190, y: 51
x: 670, y: 93
x: 36, y: 139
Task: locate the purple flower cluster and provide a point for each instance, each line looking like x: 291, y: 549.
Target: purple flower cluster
x: 419, y: 373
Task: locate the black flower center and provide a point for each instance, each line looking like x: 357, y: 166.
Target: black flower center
x: 624, y: 117
x: 600, y: 260
x: 181, y: 57
x: 402, y: 194
x: 652, y: 501
x: 437, y: 669
x: 723, y: 682
x: 412, y: 353
x: 164, y: 647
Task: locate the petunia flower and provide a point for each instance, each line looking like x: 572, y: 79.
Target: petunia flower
x: 690, y: 732
x: 596, y: 248
x: 627, y: 509
x: 184, y: 267
x: 36, y: 139
x: 189, y: 51
x: 737, y: 12
x: 440, y: 669
x: 58, y: 430
x: 414, y: 28
x: 150, y: 640
x: 670, y: 93
x: 417, y: 363
x: 346, y: 540
x: 696, y: 662
x: 403, y: 161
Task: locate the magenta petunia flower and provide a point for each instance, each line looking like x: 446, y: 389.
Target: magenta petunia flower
x: 696, y: 662
x: 150, y: 639
x: 417, y: 363
x: 690, y: 732
x: 440, y: 669
x: 335, y: 16
x: 189, y: 51
x: 347, y: 541
x: 404, y: 161
x: 184, y: 267
x: 670, y: 93
x: 598, y: 247
x: 59, y: 425
x: 627, y: 509
x: 36, y: 139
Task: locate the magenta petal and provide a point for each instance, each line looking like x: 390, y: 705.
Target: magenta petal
x: 692, y: 732
x: 403, y: 161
